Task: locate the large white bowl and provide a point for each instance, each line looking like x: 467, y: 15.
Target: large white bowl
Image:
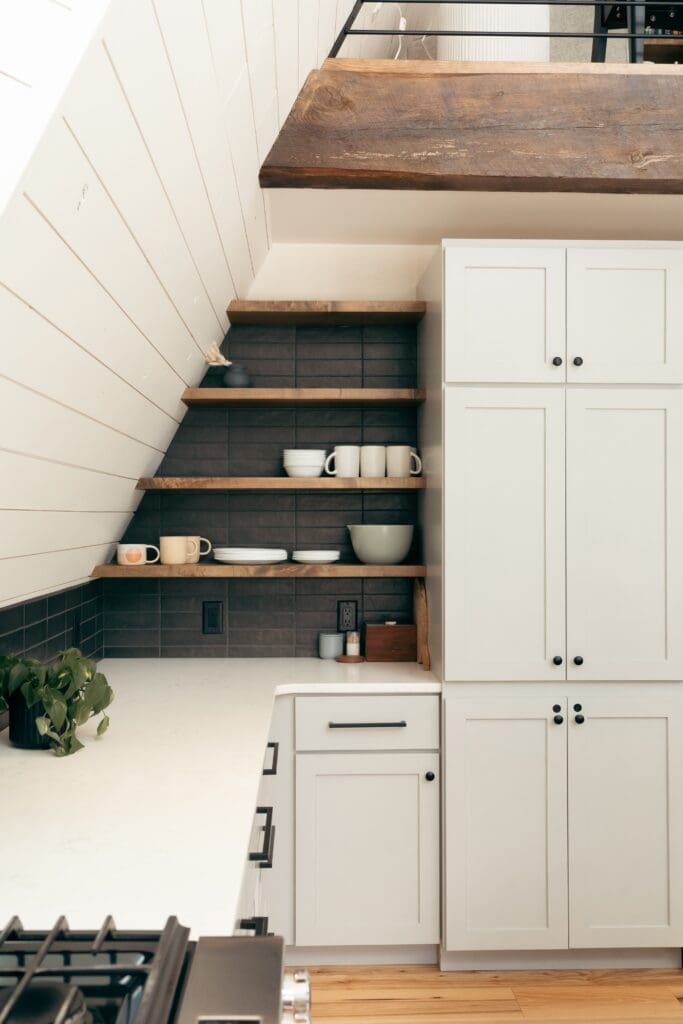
x: 302, y: 469
x: 304, y: 456
x: 376, y: 544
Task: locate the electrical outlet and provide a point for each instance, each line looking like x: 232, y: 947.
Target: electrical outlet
x: 212, y: 617
x: 347, y: 616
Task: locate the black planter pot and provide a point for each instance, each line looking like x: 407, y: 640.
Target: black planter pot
x: 22, y: 724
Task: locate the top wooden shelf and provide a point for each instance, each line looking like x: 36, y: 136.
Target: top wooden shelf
x: 311, y: 313
x: 303, y: 396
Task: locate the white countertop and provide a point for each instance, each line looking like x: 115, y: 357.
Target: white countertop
x: 154, y: 818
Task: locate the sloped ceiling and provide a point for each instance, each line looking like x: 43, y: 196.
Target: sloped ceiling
x: 136, y: 221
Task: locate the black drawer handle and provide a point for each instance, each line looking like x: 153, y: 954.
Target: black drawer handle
x: 264, y: 857
x: 257, y: 925
x: 275, y: 747
x: 367, y: 725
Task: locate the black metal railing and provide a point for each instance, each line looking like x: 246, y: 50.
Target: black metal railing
x: 636, y: 21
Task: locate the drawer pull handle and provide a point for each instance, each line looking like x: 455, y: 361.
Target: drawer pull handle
x: 367, y: 725
x: 257, y: 925
x: 275, y: 747
x: 264, y: 857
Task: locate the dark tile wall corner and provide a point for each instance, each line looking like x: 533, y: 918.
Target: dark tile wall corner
x: 270, y: 618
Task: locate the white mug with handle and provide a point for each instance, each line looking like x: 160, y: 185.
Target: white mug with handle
x: 402, y: 460
x: 346, y: 458
x: 194, y: 556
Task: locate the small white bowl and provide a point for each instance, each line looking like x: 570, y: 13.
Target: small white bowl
x: 315, y: 557
x: 307, y: 456
x: 303, y: 470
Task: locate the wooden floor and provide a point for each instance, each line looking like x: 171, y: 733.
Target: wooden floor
x: 408, y: 995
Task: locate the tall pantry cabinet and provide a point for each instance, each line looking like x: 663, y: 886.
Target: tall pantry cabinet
x: 562, y: 533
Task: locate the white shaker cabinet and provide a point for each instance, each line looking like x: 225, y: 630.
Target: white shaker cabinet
x: 625, y: 823
x: 625, y: 315
x: 506, y: 824
x: 504, y: 556
x: 504, y: 314
x: 624, y: 533
x: 564, y: 824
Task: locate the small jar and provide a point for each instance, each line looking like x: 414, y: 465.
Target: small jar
x: 330, y: 645
x: 353, y: 644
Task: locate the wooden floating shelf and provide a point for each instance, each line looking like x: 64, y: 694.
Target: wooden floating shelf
x: 282, y: 570
x: 303, y: 396
x: 663, y: 49
x: 317, y: 313
x: 280, y: 483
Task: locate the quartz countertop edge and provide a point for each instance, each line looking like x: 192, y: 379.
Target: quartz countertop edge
x: 155, y: 817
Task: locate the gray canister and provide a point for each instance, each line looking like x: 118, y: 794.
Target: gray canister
x: 330, y: 645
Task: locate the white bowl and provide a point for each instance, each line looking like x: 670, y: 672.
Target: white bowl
x: 302, y: 470
x: 307, y: 456
x: 315, y: 557
x: 376, y: 544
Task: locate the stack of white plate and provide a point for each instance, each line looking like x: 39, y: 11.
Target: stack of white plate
x: 315, y: 557
x: 303, y: 461
x: 250, y: 556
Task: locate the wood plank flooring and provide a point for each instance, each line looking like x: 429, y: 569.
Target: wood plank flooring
x: 411, y: 995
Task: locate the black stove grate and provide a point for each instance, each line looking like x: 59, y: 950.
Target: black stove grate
x: 87, y: 977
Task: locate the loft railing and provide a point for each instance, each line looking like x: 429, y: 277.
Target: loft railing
x: 643, y: 24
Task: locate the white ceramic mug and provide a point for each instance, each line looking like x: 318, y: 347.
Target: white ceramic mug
x: 373, y: 460
x: 136, y: 554
x: 402, y: 460
x: 346, y: 459
x: 177, y: 550
x: 199, y: 541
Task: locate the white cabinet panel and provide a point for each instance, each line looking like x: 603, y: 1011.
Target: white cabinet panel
x: 504, y: 539
x: 625, y: 824
x: 625, y: 315
x: 506, y: 825
x: 505, y: 314
x: 624, y: 551
x: 367, y: 849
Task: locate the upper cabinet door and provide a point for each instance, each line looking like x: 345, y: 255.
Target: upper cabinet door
x: 625, y: 316
x: 505, y: 315
x: 624, y: 542
x: 504, y: 558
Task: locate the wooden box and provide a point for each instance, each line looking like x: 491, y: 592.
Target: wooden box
x: 390, y: 643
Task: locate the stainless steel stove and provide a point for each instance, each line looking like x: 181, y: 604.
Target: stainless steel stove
x: 138, y: 977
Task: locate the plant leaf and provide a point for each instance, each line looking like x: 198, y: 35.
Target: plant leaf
x: 103, y: 726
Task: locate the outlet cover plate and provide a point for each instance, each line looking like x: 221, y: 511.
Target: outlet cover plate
x: 347, y: 616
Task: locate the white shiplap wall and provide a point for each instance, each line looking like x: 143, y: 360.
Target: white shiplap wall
x: 137, y: 219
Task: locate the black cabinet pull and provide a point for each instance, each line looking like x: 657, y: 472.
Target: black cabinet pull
x: 577, y: 707
x: 367, y: 725
x: 275, y: 747
x: 579, y: 719
x: 557, y: 361
x: 578, y: 361
x: 264, y: 856
x: 430, y: 776
x: 558, y: 719
x: 578, y: 660
x: 557, y: 660
x: 257, y: 925
x: 557, y: 707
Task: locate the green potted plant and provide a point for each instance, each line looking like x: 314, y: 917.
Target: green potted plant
x: 47, y: 703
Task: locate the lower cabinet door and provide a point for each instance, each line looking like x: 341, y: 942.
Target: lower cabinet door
x: 367, y: 849
x: 625, y: 823
x: 505, y: 780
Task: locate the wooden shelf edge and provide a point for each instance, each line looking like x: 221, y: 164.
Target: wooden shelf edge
x: 303, y: 396
x: 283, y: 570
x: 309, y: 312
x: 280, y: 483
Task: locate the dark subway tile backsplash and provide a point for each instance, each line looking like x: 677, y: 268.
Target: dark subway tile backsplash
x: 271, y: 617
x: 46, y: 626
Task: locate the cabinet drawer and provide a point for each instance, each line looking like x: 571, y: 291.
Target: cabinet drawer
x: 367, y: 723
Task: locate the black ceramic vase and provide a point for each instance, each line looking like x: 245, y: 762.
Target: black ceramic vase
x: 22, y: 724
x: 236, y: 377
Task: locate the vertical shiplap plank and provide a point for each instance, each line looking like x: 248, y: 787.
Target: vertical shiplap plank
x: 184, y: 32
x: 286, y: 27
x: 135, y: 45
x: 326, y: 24
x: 257, y: 20
x: 309, y: 11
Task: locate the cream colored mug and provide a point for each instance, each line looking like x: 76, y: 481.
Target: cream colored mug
x: 199, y: 541
x: 177, y: 550
x: 346, y: 458
x: 402, y: 460
x: 373, y: 460
x: 135, y: 554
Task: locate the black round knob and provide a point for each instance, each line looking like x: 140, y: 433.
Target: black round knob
x: 557, y: 707
x: 578, y: 361
x: 558, y: 719
x: 430, y: 776
x: 579, y: 719
x: 578, y: 660
x: 557, y: 361
x: 577, y: 707
x: 557, y: 660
